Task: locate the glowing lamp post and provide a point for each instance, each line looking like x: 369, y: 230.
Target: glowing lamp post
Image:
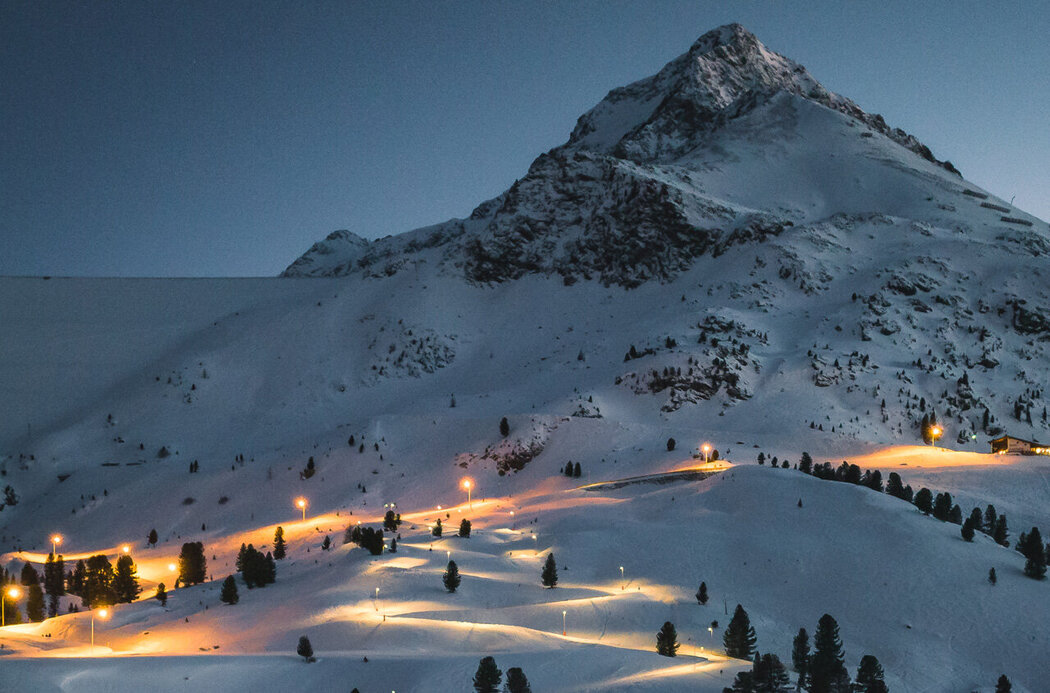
x: 706, y: 449
x: 11, y: 593
x: 56, y: 539
x: 563, y: 623
x: 126, y: 549
x: 621, y: 578
x: 468, y: 485
x: 301, y: 504
x: 103, y: 614
x: 935, y: 433
x: 375, y: 602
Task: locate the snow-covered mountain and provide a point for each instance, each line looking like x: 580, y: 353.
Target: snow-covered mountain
x: 722, y: 252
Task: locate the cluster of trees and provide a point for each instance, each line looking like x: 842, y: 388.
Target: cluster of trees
x: 989, y: 522
x: 256, y: 569
x: 97, y: 583
x: 1036, y: 554
x: 464, y: 528
x: 572, y: 470
x: 368, y: 538
x: 391, y: 521
x: 822, y: 670
x: 488, y: 677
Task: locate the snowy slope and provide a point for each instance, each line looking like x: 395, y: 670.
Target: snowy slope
x: 784, y: 273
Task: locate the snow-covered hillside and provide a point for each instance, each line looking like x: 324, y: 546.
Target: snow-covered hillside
x: 723, y: 252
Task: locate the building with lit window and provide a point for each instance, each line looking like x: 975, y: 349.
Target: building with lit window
x: 1009, y: 445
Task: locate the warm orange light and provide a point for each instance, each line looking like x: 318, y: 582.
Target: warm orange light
x: 125, y: 548
x: 103, y: 613
x: 706, y: 448
x: 300, y: 503
x: 14, y: 592
x: 171, y: 567
x: 467, y: 484
x: 56, y: 539
x: 936, y: 430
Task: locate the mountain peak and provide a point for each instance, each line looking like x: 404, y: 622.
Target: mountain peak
x: 727, y: 34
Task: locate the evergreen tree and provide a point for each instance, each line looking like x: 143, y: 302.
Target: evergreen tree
x: 805, y: 464
x: 895, y: 487
x: 29, y: 576
x: 576, y: 471
x: 451, y: 577
x: 269, y: 570
x: 761, y: 458
x: 488, y: 676
x: 800, y: 657
x: 870, y: 676
x: 240, y: 557
x: 193, y: 566
x: 151, y: 539
x: 162, y: 594
x: 76, y: 578
x: 967, y: 529
x: 125, y: 582
x: 327, y: 544
x: 667, y: 640
x: 464, y: 528
x: 827, y: 669
x: 990, y: 519
x: 549, y: 575
x: 1035, y: 563
x: 516, y: 681
x: 504, y: 427
x: 391, y: 521
x: 228, y: 595
x: 54, y: 582
x: 768, y: 675
x: 280, y: 548
x: 955, y: 515
x: 701, y: 594
x: 305, y: 649
x: 739, y: 637
x: 977, y: 520
x: 98, y: 582
x: 393, y: 545
x: 991, y: 576
x: 671, y: 444
x: 874, y: 480
x: 35, y: 603
x: 1001, y: 535
x: 942, y: 506
x: 568, y: 469
x: 924, y: 500
x: 436, y: 531
x: 1003, y: 685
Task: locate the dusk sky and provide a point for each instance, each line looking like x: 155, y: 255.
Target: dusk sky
x: 223, y: 139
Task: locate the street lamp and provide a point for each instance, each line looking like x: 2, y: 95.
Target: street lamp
x: 126, y: 549
x: 103, y: 614
x: 621, y: 578
x: 935, y: 433
x: 706, y: 448
x: 468, y: 485
x: 56, y: 539
x: 563, y: 623
x: 301, y: 504
x: 11, y: 593
x: 375, y: 602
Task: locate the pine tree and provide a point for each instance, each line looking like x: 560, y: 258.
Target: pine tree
x: 991, y: 576
x: 701, y: 594
x: 895, y: 487
x: 35, y: 603
x: 436, y: 531
x: 768, y: 675
x: 193, y: 566
x: 393, y: 545
x: 76, y: 578
x: 805, y: 464
x: 955, y: 515
x: 942, y: 506
x: 800, y: 657
x: 1001, y: 535
x: 162, y: 594
x: 671, y: 444
x: 739, y: 637
x: 568, y: 469
x: 488, y: 676
x: 827, y: 669
x: 516, y: 681
x: 98, y: 582
x: 229, y: 591
x: 125, y: 583
x: 1035, y: 563
x: 305, y: 649
x: 464, y: 528
x: 990, y: 519
x: 54, y: 582
x: 29, y: 576
x: 391, y: 521
x: 280, y: 548
x: 761, y: 458
x: 977, y: 520
x: 451, y: 577
x: 549, y: 575
x: 151, y: 539
x: 667, y: 640
x: 576, y: 471
x: 1003, y: 685
x: 967, y: 529
x: 269, y: 570
x: 870, y: 676
x: 327, y: 544
x: 504, y: 427
x: 924, y: 500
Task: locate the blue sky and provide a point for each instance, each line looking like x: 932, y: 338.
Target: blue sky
x: 222, y: 139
